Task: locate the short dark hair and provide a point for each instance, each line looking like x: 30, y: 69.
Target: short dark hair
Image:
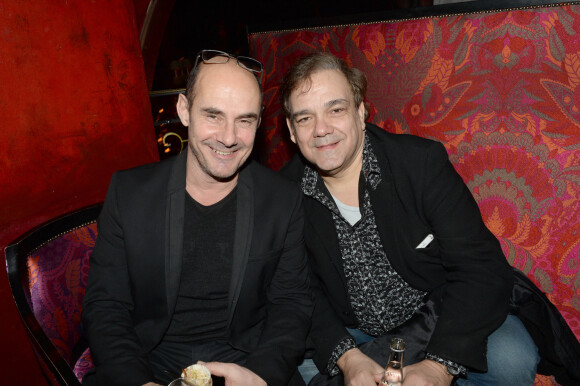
x: 192, y: 79
x: 307, y: 65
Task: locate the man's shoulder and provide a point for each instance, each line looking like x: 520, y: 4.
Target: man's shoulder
x: 401, y: 146
x: 151, y: 167
x: 146, y: 176
x: 390, y: 139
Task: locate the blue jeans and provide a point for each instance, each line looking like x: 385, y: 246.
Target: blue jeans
x: 512, y: 357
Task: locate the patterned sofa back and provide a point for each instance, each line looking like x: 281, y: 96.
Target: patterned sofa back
x: 57, y: 274
x: 48, y: 270
x: 501, y: 91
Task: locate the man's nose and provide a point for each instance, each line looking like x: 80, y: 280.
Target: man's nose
x: 322, y: 127
x: 228, y: 134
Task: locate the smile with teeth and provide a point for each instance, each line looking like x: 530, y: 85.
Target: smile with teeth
x: 222, y: 152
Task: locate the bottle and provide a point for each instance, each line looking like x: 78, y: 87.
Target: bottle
x: 393, y: 375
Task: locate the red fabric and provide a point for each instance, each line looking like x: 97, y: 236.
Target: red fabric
x: 75, y: 107
x: 500, y: 90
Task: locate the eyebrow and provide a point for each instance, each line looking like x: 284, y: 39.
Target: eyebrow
x: 328, y: 104
x: 301, y: 112
x: 247, y: 115
x: 213, y: 110
x: 335, y: 102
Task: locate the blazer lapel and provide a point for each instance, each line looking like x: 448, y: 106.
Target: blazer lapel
x: 323, y: 226
x: 242, y: 237
x: 383, y: 200
x: 174, y: 217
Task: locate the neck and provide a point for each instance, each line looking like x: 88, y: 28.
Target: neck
x: 205, y: 189
x: 210, y: 195
x: 344, y: 185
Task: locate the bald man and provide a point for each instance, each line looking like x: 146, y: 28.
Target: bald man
x: 201, y: 257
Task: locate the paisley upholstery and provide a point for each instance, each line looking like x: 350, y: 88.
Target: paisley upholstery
x: 57, y: 286
x: 83, y: 364
x: 501, y: 91
x: 48, y: 270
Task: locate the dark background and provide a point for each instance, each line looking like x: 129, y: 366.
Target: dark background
x: 222, y: 25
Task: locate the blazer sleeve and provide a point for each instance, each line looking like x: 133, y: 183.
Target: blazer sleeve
x: 328, y: 330
x: 478, y: 279
x: 289, y: 308
x: 107, y: 305
x: 329, y: 317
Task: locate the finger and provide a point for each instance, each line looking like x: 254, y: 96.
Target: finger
x: 216, y: 368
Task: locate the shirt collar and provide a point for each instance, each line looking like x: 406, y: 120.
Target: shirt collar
x: 370, y: 171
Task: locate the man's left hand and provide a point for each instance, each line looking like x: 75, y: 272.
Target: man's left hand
x: 234, y: 374
x: 426, y: 373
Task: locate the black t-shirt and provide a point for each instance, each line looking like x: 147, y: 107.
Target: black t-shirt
x: 208, y: 237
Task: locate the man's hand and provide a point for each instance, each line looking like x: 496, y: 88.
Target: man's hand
x: 426, y: 373
x: 234, y: 374
x: 359, y: 369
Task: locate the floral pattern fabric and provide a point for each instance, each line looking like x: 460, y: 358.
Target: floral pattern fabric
x: 500, y: 90
x: 57, y: 277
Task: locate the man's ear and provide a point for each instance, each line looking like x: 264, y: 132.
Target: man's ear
x: 291, y: 129
x: 183, y: 109
x: 362, y: 112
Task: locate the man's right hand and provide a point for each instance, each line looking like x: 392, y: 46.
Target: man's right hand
x: 359, y: 369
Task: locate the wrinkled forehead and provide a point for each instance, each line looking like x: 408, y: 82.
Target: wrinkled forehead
x: 227, y: 88
x: 323, y: 84
x: 213, y: 72
x: 324, y: 79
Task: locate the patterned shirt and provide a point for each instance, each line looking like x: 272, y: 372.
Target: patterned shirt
x: 379, y: 297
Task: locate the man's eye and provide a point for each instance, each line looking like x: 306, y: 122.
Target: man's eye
x: 302, y: 120
x: 247, y: 122
x: 338, y: 110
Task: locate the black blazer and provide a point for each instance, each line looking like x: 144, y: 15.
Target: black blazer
x: 420, y: 193
x: 135, y: 269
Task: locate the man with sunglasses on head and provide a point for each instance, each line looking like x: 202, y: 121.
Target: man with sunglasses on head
x: 201, y: 257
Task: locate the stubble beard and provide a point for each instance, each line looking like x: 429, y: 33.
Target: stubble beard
x: 202, y: 163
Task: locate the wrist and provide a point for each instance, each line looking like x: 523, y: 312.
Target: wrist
x: 450, y: 367
x: 342, y: 347
x: 443, y: 369
x: 345, y: 359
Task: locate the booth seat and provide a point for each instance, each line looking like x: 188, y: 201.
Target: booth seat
x: 499, y: 87
x: 47, y: 270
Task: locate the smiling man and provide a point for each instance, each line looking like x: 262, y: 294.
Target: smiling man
x: 201, y: 257
x: 396, y: 246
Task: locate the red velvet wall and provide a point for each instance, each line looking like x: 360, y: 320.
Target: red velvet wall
x: 74, y: 108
